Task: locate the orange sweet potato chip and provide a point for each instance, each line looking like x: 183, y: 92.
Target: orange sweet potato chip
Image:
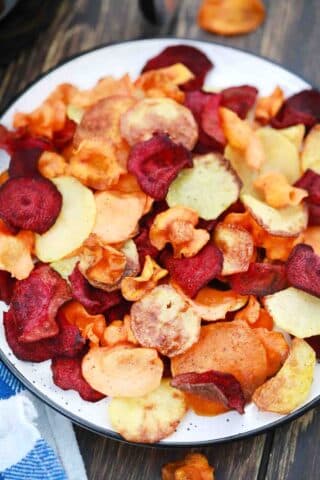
x: 277, y: 191
x: 133, y: 288
x: 250, y: 313
x: 95, y: 164
x: 212, y: 304
x: 311, y: 236
x: 268, y: 107
x: 51, y: 164
x: 119, y: 331
x: 276, y: 347
x: 4, y: 176
x: 194, y: 466
x: 16, y: 252
x: 177, y: 226
x: 231, y: 17
x: 91, y: 326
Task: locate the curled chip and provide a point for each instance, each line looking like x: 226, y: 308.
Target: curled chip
x: 117, y: 215
x: 93, y: 299
x: 303, y: 107
x: 90, y: 326
x: 177, y: 226
x: 231, y: 17
x: 68, y: 342
x: 94, y: 163
x: 250, y: 313
x: 303, y: 269
x: 310, y: 155
x: 230, y: 347
x: 162, y: 319
x: 159, y: 115
x: 51, y: 165
x: 239, y: 99
x: 25, y: 154
x: 66, y: 374
x: 236, y: 245
x: 209, y: 188
x: 195, y: 60
x: 268, y: 107
x: 260, y: 279
x: 102, y: 267
x: 16, y: 252
x: 213, y: 304
x: 277, y: 349
x: 6, y: 286
x: 123, y: 370
x: 193, y: 466
x: 156, y: 163
x: 144, y: 246
x: 191, y: 274
x: 134, y: 288
x: 291, y: 386
x: 212, y: 385
x: 30, y: 203
x: 36, y: 313
x: 148, y: 418
x: 277, y: 191
x: 238, y: 132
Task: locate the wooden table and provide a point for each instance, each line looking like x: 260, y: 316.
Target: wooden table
x: 291, y: 36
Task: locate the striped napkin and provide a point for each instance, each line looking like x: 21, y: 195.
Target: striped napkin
x: 36, y: 443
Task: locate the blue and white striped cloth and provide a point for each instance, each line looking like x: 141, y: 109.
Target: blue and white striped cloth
x: 36, y: 443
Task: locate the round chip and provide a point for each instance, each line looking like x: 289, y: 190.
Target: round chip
x: 162, y: 319
x: 159, y: 115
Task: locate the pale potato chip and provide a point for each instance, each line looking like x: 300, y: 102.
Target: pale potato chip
x: 162, y: 319
x: 150, y: 418
x: 123, y: 370
x: 237, y: 247
x: 291, y: 385
x: 295, y: 134
x: 68, y: 233
x: 295, y: 311
x: 163, y: 115
x: 310, y: 155
x: 246, y: 174
x: 209, y: 188
x: 65, y: 266
x: 75, y: 113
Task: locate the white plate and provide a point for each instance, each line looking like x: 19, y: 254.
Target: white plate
x: 232, y: 67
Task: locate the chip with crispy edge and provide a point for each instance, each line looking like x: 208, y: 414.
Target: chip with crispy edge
x: 250, y: 313
x: 310, y: 155
x: 148, y: 418
x: 159, y: 115
x: 277, y: 191
x: 276, y: 347
x: 291, y: 386
x: 134, y: 288
x: 237, y: 246
x: 177, y: 227
x: 268, y: 107
x: 209, y: 188
x: 164, y: 320
x: 51, y: 164
x: 194, y: 466
x: 212, y: 304
x: 122, y: 370
x: 16, y: 252
x: 91, y: 326
x: 231, y: 17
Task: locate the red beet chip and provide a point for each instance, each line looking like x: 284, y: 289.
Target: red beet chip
x: 144, y: 246
x: 208, y: 225
x: 303, y: 107
x: 193, y: 273
x: 191, y: 57
x: 35, y: 302
x: 314, y: 214
x: 67, y: 374
x: 63, y: 137
x: 30, y: 203
x: 239, y: 99
x: 118, y: 311
x: 148, y: 219
x: 303, y: 269
x: 6, y: 286
x: 212, y: 385
x: 261, y: 279
x: 25, y: 156
x: 9, y: 138
x: 156, y: 163
x: 93, y: 299
x: 210, y: 119
x: 314, y: 342
x: 310, y: 181
x: 68, y: 342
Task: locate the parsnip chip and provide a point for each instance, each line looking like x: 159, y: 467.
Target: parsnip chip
x: 15, y: 252
x: 209, y: 188
x: 237, y: 247
x: 194, y: 466
x: 163, y: 115
x: 134, y: 288
x: 268, y: 107
x: 295, y: 311
x: 213, y: 304
x: 277, y: 191
x: 295, y: 134
x: 284, y: 222
x: 231, y: 17
x: 291, y: 385
x: 310, y: 156
x: 65, y: 266
x: 177, y: 226
x: 162, y: 319
x: 51, y: 165
x: 149, y: 418
x: 123, y: 370
x: 94, y: 163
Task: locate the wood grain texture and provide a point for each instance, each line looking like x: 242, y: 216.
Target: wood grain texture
x: 290, y: 36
